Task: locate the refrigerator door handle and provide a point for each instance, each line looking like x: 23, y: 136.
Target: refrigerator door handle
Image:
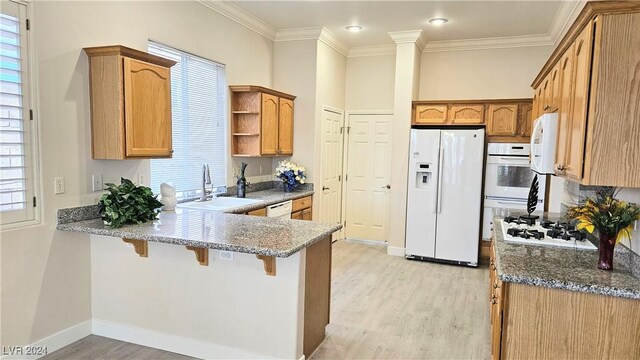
x: 440, y: 165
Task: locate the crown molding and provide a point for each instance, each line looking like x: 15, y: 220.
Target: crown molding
x: 489, y: 43
x: 313, y: 33
x: 310, y: 33
x: 374, y: 50
x: 567, y: 13
x: 241, y: 16
x: 334, y: 42
x: 409, y: 37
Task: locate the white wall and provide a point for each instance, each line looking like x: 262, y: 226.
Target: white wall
x: 370, y: 82
x: 232, y: 306
x: 46, y: 284
x: 481, y: 74
x: 632, y: 195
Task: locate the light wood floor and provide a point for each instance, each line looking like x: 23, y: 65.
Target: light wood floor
x: 382, y: 307
x: 387, y: 307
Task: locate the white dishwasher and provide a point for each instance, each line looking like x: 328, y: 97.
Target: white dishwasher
x: 280, y: 210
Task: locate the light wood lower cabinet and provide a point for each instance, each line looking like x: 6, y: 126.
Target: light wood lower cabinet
x: 258, y: 212
x: 302, y: 209
x: 533, y: 322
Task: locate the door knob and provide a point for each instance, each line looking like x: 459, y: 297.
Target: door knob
x: 325, y: 188
x: 387, y: 187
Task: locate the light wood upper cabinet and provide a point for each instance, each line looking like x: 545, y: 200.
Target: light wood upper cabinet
x: 285, y: 127
x: 130, y: 104
x: 599, y: 118
x: 556, y: 91
x: 269, y: 129
x: 262, y: 121
x: 581, y: 48
x: 502, y: 120
x: 564, y: 111
x: 525, y: 119
x: 430, y: 114
x: 466, y: 114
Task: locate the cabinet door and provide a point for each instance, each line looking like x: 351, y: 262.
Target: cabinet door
x: 258, y: 212
x: 147, y: 102
x: 525, y: 119
x: 431, y: 114
x: 296, y: 215
x: 285, y: 127
x: 540, y: 95
x: 564, y: 111
x: 556, y: 88
x: 269, y: 125
x: 535, y: 104
x: 306, y: 214
x: 502, y: 120
x: 547, y: 87
x: 582, y: 75
x: 466, y: 114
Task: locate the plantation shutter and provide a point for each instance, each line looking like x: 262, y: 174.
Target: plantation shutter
x: 16, y: 146
x: 198, y: 105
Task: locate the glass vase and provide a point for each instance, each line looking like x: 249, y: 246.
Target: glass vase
x: 607, y: 243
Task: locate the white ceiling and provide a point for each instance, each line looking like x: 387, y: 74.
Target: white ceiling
x: 467, y: 19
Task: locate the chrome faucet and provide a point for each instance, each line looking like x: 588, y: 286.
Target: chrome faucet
x: 206, y: 180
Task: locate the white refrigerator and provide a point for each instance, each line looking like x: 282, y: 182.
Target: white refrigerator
x: 444, y: 194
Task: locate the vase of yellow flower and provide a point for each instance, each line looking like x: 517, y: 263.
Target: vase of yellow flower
x: 611, y: 218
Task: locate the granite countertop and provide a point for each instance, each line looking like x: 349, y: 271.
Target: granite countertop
x: 214, y: 230
x: 565, y: 268
x: 268, y: 197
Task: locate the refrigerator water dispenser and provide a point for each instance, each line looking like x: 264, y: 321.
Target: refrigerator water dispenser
x: 424, y: 176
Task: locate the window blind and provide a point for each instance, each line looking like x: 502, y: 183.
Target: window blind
x: 198, y: 106
x: 16, y: 173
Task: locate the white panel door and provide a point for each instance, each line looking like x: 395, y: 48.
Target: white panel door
x: 460, y: 195
x: 368, y: 177
x: 332, y: 142
x: 422, y: 191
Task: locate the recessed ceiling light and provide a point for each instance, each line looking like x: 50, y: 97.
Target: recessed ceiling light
x: 354, y: 28
x: 438, y: 21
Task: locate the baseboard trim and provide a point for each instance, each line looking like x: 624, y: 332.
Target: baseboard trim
x: 53, y: 342
x: 168, y: 342
x: 395, y: 251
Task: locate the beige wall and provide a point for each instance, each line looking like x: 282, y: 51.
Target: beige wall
x: 294, y: 71
x: 46, y: 284
x: 370, y: 82
x: 481, y: 74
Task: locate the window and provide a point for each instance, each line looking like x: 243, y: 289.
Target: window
x: 17, y: 145
x: 198, y: 102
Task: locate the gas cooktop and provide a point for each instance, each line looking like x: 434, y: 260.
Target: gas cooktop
x: 544, y: 232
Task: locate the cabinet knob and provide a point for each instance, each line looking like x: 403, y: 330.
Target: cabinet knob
x: 546, y: 107
x: 171, y: 151
x: 494, y: 300
x: 561, y: 168
x: 495, y: 286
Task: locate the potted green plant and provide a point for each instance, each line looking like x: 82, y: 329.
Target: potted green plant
x: 611, y: 218
x: 128, y: 204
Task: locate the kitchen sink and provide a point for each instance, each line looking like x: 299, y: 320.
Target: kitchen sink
x: 217, y: 204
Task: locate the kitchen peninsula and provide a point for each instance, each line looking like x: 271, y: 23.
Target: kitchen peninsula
x: 258, y: 287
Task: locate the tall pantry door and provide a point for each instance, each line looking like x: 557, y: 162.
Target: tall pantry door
x: 422, y: 190
x: 459, y: 198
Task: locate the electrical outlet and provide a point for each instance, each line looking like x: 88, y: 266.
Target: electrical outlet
x: 96, y: 182
x: 58, y: 184
x: 226, y: 255
x: 141, y: 179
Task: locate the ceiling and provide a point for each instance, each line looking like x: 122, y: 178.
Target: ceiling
x: 467, y: 19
